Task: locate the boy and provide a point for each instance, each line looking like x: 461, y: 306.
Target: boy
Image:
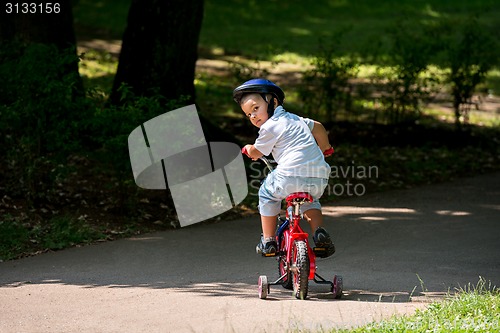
x: 297, y: 145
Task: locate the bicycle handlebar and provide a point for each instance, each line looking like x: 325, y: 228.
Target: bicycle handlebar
x: 329, y: 152
x: 245, y: 151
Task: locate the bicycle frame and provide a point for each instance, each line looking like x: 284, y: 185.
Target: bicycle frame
x: 290, y: 231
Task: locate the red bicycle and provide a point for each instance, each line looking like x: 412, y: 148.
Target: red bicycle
x: 296, y: 258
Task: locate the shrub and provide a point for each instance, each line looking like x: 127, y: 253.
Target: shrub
x: 471, y: 52
x: 326, y: 88
x: 407, y: 88
x: 40, y: 114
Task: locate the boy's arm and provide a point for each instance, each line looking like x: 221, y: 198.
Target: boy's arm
x: 253, y: 152
x: 321, y: 136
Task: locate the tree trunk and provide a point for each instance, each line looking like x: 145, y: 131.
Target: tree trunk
x: 159, y: 49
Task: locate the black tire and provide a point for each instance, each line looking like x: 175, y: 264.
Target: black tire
x: 300, y: 276
x: 337, y: 286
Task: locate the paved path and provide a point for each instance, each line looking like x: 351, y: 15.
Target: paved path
x: 203, y: 278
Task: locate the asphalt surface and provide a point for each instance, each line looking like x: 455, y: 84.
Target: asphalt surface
x: 396, y: 251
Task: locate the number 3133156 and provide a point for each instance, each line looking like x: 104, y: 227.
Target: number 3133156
x: 32, y: 8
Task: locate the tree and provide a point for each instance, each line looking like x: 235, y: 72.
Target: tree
x: 47, y: 24
x: 38, y: 26
x: 471, y: 53
x: 159, y: 49
x: 159, y: 53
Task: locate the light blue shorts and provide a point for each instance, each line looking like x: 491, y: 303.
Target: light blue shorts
x: 277, y: 187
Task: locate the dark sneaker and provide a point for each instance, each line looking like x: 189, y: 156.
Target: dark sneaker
x: 324, y: 245
x: 267, y: 247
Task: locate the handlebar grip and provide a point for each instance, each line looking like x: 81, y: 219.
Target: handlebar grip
x: 328, y: 152
x: 244, y: 151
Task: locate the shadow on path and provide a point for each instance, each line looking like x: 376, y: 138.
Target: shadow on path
x: 390, y: 247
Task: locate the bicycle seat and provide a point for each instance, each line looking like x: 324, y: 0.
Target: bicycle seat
x: 299, y: 198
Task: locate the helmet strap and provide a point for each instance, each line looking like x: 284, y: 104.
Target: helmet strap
x: 270, y: 105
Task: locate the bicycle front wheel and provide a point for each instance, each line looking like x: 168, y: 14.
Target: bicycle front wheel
x: 283, y: 267
x: 300, y: 269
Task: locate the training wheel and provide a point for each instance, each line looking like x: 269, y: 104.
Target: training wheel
x: 263, y: 287
x: 337, y: 286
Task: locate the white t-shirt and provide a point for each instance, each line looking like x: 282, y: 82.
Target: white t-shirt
x: 289, y: 138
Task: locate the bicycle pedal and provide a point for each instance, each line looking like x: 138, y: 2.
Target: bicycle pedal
x: 324, y: 251
x: 269, y: 254
x: 319, y: 250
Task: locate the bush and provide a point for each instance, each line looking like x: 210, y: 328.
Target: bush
x: 471, y: 52
x: 326, y: 88
x: 109, y: 126
x: 64, y: 231
x: 14, y: 237
x: 18, y: 237
x: 40, y: 114
x: 410, y: 53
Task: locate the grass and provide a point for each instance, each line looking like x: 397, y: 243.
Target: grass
x: 18, y: 237
x: 265, y: 30
x: 475, y: 308
x: 257, y: 35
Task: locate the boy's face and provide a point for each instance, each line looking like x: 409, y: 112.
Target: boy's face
x: 255, y: 108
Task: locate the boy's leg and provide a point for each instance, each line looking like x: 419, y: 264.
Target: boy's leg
x: 321, y: 237
x: 315, y: 218
x: 267, y: 245
x: 268, y: 225
x: 269, y: 207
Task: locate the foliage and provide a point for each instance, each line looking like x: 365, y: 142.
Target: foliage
x: 14, y: 238
x: 326, y: 88
x: 110, y: 124
x: 410, y: 53
x: 406, y: 83
x: 18, y: 237
x: 243, y: 27
x: 63, y: 231
x: 471, y: 52
x: 39, y: 114
x: 243, y: 72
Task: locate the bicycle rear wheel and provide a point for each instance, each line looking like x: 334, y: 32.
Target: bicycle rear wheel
x: 300, y: 269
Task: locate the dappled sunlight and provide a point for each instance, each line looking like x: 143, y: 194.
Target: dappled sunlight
x: 221, y: 289
x: 382, y: 296
x: 145, y: 239
x: 373, y: 218
x: 452, y: 213
x: 317, y: 293
x: 300, y: 31
x: 494, y: 207
x: 429, y: 11
x: 353, y: 210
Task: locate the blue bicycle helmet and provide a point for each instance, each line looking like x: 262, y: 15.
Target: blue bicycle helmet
x: 262, y: 87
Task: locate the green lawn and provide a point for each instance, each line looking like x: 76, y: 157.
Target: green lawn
x: 473, y: 309
x: 266, y: 29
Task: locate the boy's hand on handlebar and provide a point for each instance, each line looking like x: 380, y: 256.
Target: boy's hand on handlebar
x: 328, y: 152
x: 246, y: 150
